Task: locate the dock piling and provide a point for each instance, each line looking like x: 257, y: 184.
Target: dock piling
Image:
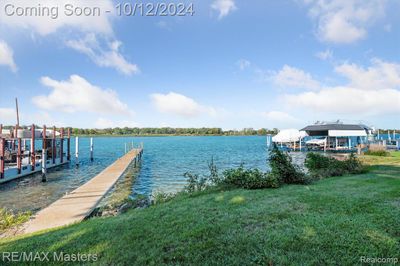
x: 77, y: 151
x: 91, y: 149
x: 33, y: 158
x: 19, y: 156
x: 2, y: 154
x: 44, y: 165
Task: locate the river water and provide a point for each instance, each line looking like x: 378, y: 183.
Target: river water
x: 164, y: 162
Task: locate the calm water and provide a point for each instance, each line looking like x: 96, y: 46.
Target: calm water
x: 165, y: 160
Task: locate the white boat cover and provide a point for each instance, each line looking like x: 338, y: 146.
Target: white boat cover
x: 289, y: 135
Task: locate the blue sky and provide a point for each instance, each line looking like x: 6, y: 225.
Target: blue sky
x: 233, y: 64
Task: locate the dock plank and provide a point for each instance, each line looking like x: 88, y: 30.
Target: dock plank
x: 77, y: 205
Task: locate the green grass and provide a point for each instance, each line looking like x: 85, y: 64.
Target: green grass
x: 334, y: 221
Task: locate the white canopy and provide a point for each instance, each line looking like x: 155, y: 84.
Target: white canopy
x: 289, y: 135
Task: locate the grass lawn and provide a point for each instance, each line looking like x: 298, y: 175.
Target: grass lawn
x: 333, y: 221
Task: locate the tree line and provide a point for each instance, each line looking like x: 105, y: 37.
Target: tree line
x: 173, y: 131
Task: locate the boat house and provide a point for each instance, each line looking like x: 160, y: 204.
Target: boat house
x: 336, y: 136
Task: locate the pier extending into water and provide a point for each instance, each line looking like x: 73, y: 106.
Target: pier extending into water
x: 80, y: 203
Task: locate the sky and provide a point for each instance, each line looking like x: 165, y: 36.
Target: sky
x: 232, y: 64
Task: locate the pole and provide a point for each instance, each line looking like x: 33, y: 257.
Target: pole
x: 77, y: 151
x: 2, y: 153
x: 44, y: 165
x: 61, y: 145
x: 91, y: 149
x: 33, y: 147
x: 69, y: 145
x: 16, y: 106
x: 125, y: 147
x: 300, y: 144
x: 19, y: 157
x: 54, y: 147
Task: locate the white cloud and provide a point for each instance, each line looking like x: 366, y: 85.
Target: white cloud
x: 279, y: 116
x: 380, y: 75
x: 77, y: 94
x: 178, y: 104
x: 45, y: 24
x: 7, y: 56
x: 325, y: 55
x: 107, y: 123
x: 291, y: 77
x: 224, y: 7
x: 348, y: 100
x: 243, y: 64
x: 344, y: 21
x: 103, y: 57
x: 7, y: 115
x: 373, y: 90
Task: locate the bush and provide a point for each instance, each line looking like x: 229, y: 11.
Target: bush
x: 8, y: 219
x: 284, y: 170
x: 321, y: 166
x: 195, y: 182
x: 249, y: 179
x: 382, y: 153
x: 162, y: 197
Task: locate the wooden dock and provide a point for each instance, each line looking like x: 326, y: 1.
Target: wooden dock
x: 80, y: 203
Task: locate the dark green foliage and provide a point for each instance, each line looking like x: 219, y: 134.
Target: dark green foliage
x: 321, y: 166
x: 284, y: 170
x: 378, y: 153
x: 249, y: 179
x: 195, y: 182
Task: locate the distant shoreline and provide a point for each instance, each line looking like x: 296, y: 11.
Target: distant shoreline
x: 165, y: 135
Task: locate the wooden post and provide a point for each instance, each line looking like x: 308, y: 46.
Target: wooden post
x: 44, y: 165
x: 91, y: 149
x: 54, y: 147
x: 77, y: 151
x: 1, y: 129
x: 62, y: 145
x: 125, y: 147
x: 69, y: 145
x: 33, y: 159
x: 2, y: 154
x: 19, y: 156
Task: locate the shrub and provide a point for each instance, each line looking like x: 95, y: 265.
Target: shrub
x: 321, y: 166
x: 284, y: 170
x: 249, y: 178
x: 382, y: 153
x: 195, y: 182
